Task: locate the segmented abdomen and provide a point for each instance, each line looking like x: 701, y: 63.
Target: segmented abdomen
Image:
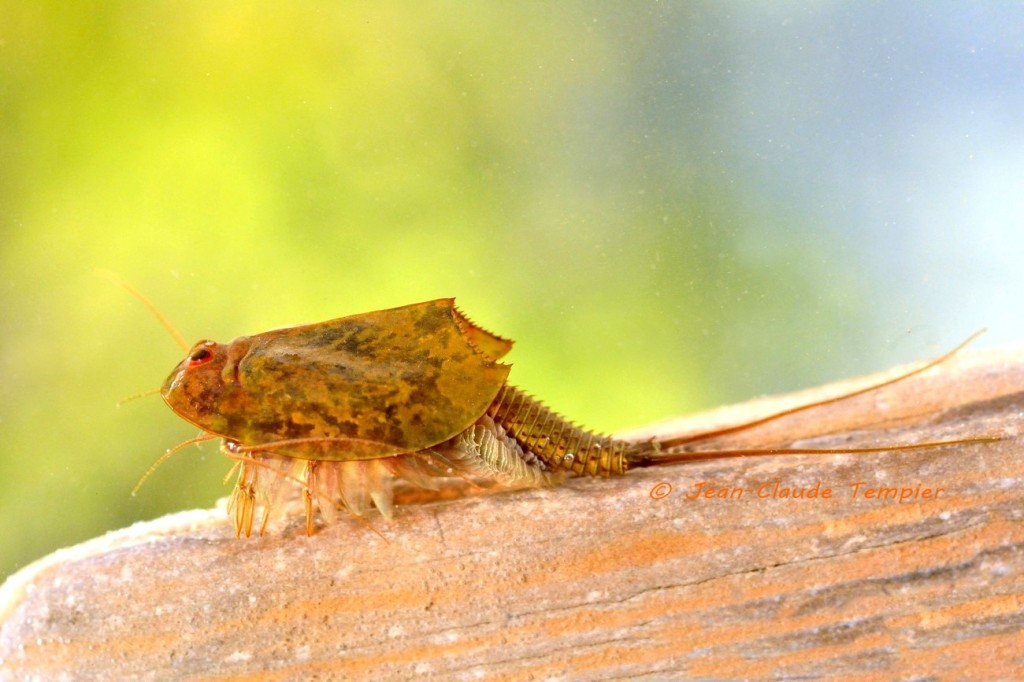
x: 558, y: 442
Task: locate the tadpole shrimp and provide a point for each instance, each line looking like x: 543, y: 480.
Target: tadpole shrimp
x: 344, y: 408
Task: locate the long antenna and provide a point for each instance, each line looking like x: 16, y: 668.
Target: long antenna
x: 149, y: 304
x: 167, y: 455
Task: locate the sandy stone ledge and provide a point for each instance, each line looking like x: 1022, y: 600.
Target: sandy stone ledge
x: 596, y: 579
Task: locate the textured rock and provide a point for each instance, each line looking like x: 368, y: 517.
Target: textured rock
x: 596, y: 578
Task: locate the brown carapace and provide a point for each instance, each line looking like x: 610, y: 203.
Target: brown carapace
x: 344, y: 408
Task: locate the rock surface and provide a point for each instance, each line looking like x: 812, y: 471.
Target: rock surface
x: 595, y: 579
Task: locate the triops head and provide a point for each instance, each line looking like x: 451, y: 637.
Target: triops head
x: 203, y: 388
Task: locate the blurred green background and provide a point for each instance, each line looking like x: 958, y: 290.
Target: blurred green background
x: 668, y: 206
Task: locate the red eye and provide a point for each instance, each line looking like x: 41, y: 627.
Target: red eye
x: 200, y: 356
